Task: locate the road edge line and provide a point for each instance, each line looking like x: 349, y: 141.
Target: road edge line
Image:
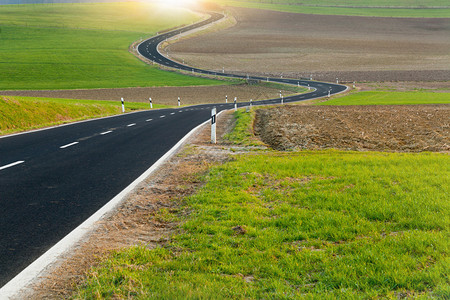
x: 21, y: 281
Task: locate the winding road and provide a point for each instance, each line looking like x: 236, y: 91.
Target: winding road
x: 149, y: 50
x: 52, y: 180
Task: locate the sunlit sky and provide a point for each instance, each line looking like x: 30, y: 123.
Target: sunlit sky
x: 176, y: 2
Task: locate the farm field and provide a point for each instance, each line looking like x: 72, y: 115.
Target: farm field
x: 408, y: 128
x: 327, y: 47
x: 397, y: 8
x: 285, y: 225
x: 169, y: 95
x: 70, y: 46
x: 389, y: 98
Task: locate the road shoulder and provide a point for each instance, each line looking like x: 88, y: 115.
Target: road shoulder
x: 139, y: 220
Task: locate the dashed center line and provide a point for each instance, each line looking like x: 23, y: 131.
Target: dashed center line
x: 163, y: 116
x: 133, y: 124
x: 12, y: 164
x: 68, y: 145
x: 148, y: 120
x: 172, y: 113
x: 106, y: 132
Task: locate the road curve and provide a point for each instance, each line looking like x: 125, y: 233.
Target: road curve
x: 149, y: 50
x: 52, y: 180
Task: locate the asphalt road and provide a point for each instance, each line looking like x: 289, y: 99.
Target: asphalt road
x: 52, y: 180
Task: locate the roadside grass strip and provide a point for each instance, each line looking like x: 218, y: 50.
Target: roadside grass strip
x: 242, y: 131
x: 25, y: 113
x: 389, y: 98
x: 308, y: 224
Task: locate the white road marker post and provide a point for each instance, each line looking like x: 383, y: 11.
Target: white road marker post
x: 251, y: 103
x: 309, y: 88
x: 267, y: 79
x: 282, y: 99
x: 223, y: 69
x: 179, y: 101
x: 310, y: 77
x: 329, y: 93
x: 337, y: 80
x: 298, y: 84
x: 353, y: 84
x: 151, y: 104
x: 226, y: 98
x: 123, y: 105
x: 213, y: 126
x: 235, y: 103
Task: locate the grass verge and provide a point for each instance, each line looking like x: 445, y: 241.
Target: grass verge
x: 70, y: 46
x: 311, y: 224
x: 25, y: 113
x: 242, y: 132
x: 404, y: 9
x: 389, y: 98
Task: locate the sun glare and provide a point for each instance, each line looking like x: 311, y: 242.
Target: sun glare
x: 177, y: 3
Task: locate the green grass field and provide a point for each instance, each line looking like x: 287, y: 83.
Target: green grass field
x: 313, y: 225
x: 25, y: 113
x: 69, y: 46
x: 389, y: 98
x: 377, y: 8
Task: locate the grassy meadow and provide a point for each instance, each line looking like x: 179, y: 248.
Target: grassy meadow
x: 69, y: 46
x: 25, y: 113
x: 308, y: 224
x: 377, y: 8
x: 389, y: 98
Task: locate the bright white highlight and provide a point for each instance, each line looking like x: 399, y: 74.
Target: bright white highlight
x: 177, y: 3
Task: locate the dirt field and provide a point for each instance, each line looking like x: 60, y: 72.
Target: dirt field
x: 162, y: 95
x: 405, y: 128
x: 350, y: 48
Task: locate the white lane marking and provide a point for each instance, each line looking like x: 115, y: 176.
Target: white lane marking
x: 106, y: 132
x: 148, y: 120
x: 133, y: 124
x: 172, y: 113
x: 163, y: 116
x: 180, y: 111
x: 12, y: 164
x: 68, y: 145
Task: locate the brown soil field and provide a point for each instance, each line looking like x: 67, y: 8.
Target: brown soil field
x: 163, y: 95
x: 403, y: 128
x: 326, y: 47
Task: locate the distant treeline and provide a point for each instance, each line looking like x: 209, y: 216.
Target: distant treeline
x: 4, y: 2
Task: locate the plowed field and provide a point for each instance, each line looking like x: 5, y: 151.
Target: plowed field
x: 403, y: 128
x: 350, y: 48
x: 163, y: 95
